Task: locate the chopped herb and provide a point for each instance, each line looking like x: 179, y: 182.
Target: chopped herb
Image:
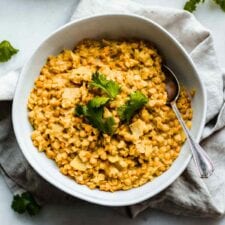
x: 25, y: 203
x: 136, y: 101
x: 93, y: 112
x: 221, y: 3
x: 6, y: 51
x: 110, y: 87
x: 109, y: 125
x: 81, y: 110
x: 191, y: 5
x: 97, y: 102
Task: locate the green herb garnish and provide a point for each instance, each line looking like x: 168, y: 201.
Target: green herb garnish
x: 6, y: 51
x: 136, y: 101
x: 191, y: 5
x: 97, y: 102
x: 221, y: 3
x: 110, y: 87
x: 25, y: 203
x: 93, y: 112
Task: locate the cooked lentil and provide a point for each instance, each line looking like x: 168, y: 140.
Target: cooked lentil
x: 137, y: 152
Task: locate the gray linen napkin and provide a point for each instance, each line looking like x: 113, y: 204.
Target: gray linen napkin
x: 188, y: 195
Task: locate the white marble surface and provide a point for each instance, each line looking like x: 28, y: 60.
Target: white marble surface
x: 25, y: 23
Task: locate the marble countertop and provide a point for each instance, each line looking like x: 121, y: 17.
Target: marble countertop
x: 21, y: 18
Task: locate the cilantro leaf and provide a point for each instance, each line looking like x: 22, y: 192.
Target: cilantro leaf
x: 95, y: 117
x: 110, y: 87
x: 109, y: 125
x: 25, y: 202
x: 136, y: 101
x: 81, y: 110
x: 221, y: 3
x: 6, y: 51
x: 93, y: 112
x: 97, y: 102
x: 192, y: 4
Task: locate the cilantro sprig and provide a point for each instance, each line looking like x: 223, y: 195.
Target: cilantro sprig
x: 136, y: 101
x: 110, y: 87
x: 93, y: 112
x: 6, y: 51
x: 25, y: 203
x: 191, y: 5
x: 221, y: 3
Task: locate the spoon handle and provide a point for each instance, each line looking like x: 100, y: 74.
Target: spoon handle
x: 202, y: 160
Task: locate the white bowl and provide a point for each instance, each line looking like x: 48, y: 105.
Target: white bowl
x: 106, y: 26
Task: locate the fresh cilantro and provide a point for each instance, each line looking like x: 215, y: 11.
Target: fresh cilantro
x: 6, y: 51
x: 97, y: 102
x: 221, y: 3
x: 136, y: 101
x: 81, y: 110
x: 191, y: 5
x: 110, y: 87
x: 25, y: 203
x: 109, y: 125
x: 93, y: 112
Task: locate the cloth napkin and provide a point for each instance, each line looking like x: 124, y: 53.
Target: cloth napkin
x: 189, y: 194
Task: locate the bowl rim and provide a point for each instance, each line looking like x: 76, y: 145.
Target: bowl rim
x: 58, y: 184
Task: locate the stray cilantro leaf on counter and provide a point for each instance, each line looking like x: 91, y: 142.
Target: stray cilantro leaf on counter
x: 93, y: 112
x: 110, y: 87
x: 136, y: 102
x: 221, y: 3
x: 25, y: 203
x: 192, y: 4
x: 6, y: 51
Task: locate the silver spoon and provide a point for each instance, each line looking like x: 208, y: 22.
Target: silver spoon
x: 201, y: 159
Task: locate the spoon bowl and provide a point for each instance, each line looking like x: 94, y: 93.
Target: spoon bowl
x: 172, y: 85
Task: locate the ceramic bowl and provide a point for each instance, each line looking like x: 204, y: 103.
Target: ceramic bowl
x: 112, y: 26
